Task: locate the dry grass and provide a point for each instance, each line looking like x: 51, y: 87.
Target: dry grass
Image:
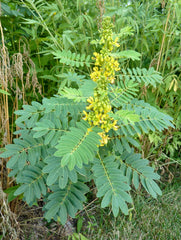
x: 9, y: 227
x: 29, y: 224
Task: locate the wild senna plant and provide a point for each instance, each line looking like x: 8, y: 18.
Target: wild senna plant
x: 87, y: 133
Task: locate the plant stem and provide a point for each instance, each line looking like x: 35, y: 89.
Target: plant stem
x: 163, y: 41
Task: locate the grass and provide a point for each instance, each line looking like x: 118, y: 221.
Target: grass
x: 158, y: 219
x: 152, y: 219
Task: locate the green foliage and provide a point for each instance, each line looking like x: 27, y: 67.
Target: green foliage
x: 108, y: 181
x: 149, y: 77
x: 138, y: 117
x: 127, y: 54
x: 72, y: 59
x: 78, y: 146
x: 61, y: 203
x: 156, y: 35
x: 32, y: 182
x: 57, y: 152
x: 124, y: 91
x: 135, y: 169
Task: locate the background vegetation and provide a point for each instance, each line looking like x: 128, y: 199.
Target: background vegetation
x: 36, y: 38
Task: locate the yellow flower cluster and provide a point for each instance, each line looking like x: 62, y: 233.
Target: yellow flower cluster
x: 103, y: 74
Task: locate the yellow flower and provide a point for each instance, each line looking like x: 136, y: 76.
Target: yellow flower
x: 104, y: 139
x: 115, y: 42
x: 90, y: 100
x: 103, y: 74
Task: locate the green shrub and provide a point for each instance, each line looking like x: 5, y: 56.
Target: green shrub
x: 87, y: 133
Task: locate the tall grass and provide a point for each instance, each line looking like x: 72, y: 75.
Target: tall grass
x: 17, y: 76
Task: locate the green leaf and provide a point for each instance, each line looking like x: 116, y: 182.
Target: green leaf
x: 22, y: 160
x: 12, y: 161
x: 32, y: 183
x: 110, y: 183
x: 127, y: 54
x: 78, y: 146
x: 149, y: 118
x: 79, y: 224
x: 136, y: 169
x: 70, y: 58
x: 63, y: 178
x: 106, y: 199
x: 49, y: 137
x: 63, y: 214
x: 127, y: 116
x: 40, y: 133
x: 52, y: 177
x: 4, y: 92
x: 20, y: 190
x: 52, y: 211
x: 148, y: 77
x: 72, y: 93
x: 135, y: 179
x: 64, y: 202
x: 87, y: 88
x: 10, y: 191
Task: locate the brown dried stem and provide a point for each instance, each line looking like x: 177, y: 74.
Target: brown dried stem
x: 163, y: 41
x: 4, y: 98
